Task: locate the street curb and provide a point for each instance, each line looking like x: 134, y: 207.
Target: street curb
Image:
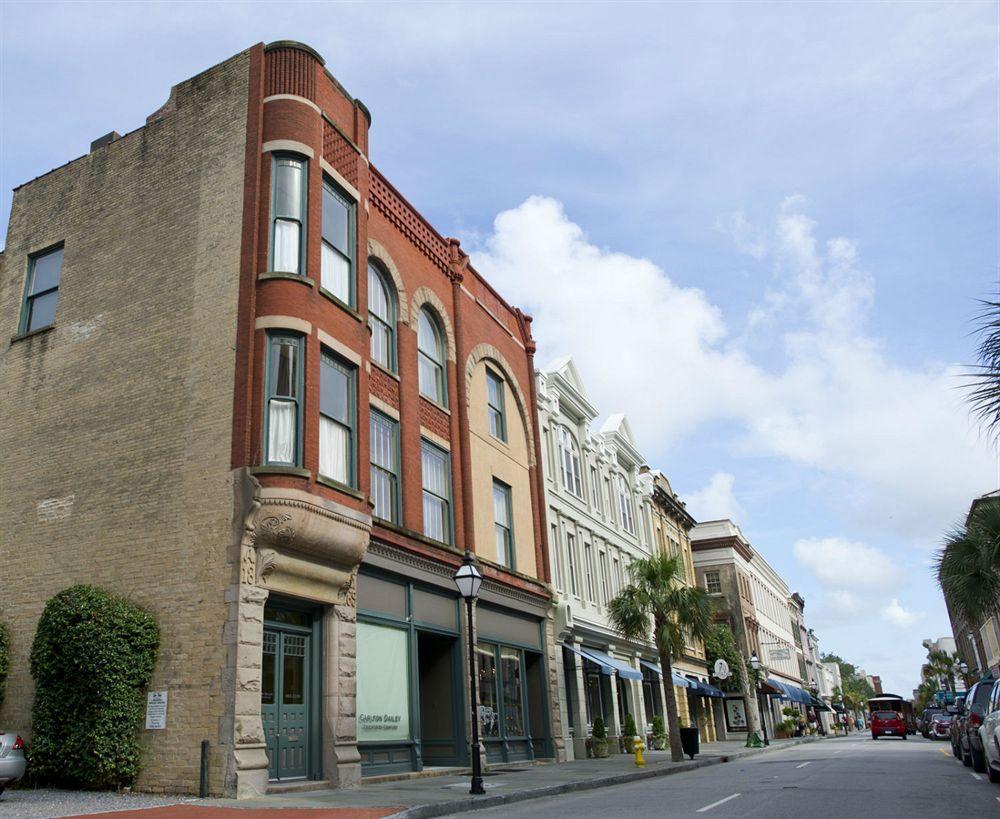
x: 468, y: 804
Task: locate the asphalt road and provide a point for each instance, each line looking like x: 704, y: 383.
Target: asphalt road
x: 842, y: 778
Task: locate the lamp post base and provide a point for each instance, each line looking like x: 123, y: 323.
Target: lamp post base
x: 754, y: 740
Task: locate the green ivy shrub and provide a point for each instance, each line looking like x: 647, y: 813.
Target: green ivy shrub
x: 4, y: 659
x: 92, y: 658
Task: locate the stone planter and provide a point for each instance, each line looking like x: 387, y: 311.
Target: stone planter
x: 660, y: 742
x: 600, y: 747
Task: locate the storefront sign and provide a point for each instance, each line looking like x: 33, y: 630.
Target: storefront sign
x: 736, y: 715
x: 156, y: 710
x: 383, y: 684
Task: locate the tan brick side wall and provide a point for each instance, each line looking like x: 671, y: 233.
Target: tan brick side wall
x: 116, y: 425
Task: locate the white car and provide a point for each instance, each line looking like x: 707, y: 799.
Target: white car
x: 989, y: 731
x: 12, y: 760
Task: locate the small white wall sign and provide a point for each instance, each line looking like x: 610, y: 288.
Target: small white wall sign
x: 156, y: 710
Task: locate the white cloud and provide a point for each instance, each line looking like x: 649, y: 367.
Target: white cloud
x: 899, y: 616
x: 842, y: 564
x: 747, y: 237
x: 715, y: 500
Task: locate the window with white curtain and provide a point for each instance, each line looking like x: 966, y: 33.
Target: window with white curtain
x: 430, y: 357
x: 384, y: 443
x: 503, y: 526
x: 283, y: 381
x: 336, y: 419
x: 337, y: 262
x: 381, y: 318
x: 625, y: 504
x: 288, y: 214
x: 436, y: 476
x: 569, y: 462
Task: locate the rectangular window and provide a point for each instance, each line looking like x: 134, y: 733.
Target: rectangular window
x: 609, y: 510
x: 42, y: 291
x: 512, y: 686
x: 437, y: 492
x: 625, y: 505
x: 588, y: 568
x: 604, y: 578
x: 595, y: 490
x: 713, y: 583
x: 556, y: 557
x: 384, y: 444
x: 571, y: 555
x: 288, y: 214
x: 489, y: 700
x: 495, y: 405
x: 283, y: 384
x: 337, y: 269
x: 618, y: 576
x: 336, y: 419
x: 502, y: 525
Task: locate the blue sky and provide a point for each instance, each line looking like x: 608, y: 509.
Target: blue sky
x: 761, y: 230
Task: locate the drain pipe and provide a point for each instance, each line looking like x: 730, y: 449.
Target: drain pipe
x: 203, y: 781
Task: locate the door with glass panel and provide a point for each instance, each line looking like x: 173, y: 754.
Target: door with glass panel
x: 285, y: 702
x: 503, y: 703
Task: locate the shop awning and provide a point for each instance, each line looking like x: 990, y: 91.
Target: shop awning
x: 705, y: 689
x: 679, y: 681
x: 819, y: 705
x: 608, y: 665
x: 789, y: 692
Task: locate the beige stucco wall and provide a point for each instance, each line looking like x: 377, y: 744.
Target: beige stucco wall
x: 116, y: 425
x: 508, y: 462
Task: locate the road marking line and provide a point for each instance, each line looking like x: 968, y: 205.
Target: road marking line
x: 975, y: 776
x: 838, y: 750
x: 943, y: 751
x: 804, y: 764
x: 716, y: 804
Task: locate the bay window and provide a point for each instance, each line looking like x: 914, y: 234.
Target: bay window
x: 336, y: 419
x: 283, y: 406
x: 288, y: 214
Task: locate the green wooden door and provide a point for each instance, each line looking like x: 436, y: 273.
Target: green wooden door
x: 285, y: 703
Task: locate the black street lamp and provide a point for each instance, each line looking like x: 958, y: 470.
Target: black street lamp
x: 468, y: 578
x: 755, y: 665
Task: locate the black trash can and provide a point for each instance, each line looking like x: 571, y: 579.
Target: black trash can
x: 689, y: 741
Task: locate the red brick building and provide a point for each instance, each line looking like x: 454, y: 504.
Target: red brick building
x: 331, y: 404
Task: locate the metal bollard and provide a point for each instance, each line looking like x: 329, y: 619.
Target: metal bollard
x: 637, y: 747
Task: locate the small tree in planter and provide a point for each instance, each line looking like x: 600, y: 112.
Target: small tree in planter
x: 629, y: 733
x: 659, y: 734
x: 599, y: 738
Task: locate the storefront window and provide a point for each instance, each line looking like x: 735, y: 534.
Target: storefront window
x: 513, y: 700
x: 595, y: 705
x: 383, y: 683
x: 489, y: 708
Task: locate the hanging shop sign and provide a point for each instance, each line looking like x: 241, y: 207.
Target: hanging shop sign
x: 383, y: 684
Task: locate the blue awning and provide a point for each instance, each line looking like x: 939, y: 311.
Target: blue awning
x: 651, y: 666
x: 790, y: 692
x: 679, y: 681
x: 705, y: 689
x: 608, y: 665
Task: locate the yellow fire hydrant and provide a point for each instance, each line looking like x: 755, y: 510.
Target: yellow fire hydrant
x: 637, y: 748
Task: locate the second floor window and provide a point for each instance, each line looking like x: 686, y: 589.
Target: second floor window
x: 283, y: 409
x: 502, y: 525
x: 495, y: 405
x: 337, y: 269
x: 384, y: 442
x: 436, y: 476
x: 625, y: 505
x: 336, y: 419
x: 44, y: 274
x: 571, y: 556
x: 569, y: 462
x: 430, y: 358
x: 713, y: 583
x: 381, y: 319
x: 288, y: 215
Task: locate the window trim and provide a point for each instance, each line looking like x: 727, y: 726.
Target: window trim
x: 28, y: 296
x: 351, y: 370
x: 392, y: 298
x: 574, y: 454
x: 441, y: 364
x: 352, y: 242
x: 276, y: 156
x: 501, y: 410
x: 270, y: 339
x: 508, y: 492
x: 710, y: 576
x: 397, y: 452
x: 570, y: 552
x: 625, y: 509
x: 449, y: 501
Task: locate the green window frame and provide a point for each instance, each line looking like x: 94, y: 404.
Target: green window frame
x: 289, y: 206
x: 495, y: 405
x: 430, y: 358
x: 435, y: 470
x: 381, y: 317
x: 337, y: 419
x: 384, y: 446
x: 41, y: 290
x: 339, y: 242
x: 283, y: 382
x: 503, y: 524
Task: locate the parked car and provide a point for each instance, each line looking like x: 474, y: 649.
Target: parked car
x: 925, y: 720
x: 12, y: 759
x: 941, y: 726
x: 887, y: 724
x: 990, y: 734
x: 971, y: 742
x: 957, y: 726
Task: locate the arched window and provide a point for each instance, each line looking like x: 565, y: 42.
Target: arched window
x: 625, y: 504
x: 430, y: 357
x: 569, y: 462
x: 382, y: 318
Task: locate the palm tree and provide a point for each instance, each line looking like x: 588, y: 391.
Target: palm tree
x: 984, y: 386
x: 941, y: 667
x: 968, y: 566
x: 657, y: 596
